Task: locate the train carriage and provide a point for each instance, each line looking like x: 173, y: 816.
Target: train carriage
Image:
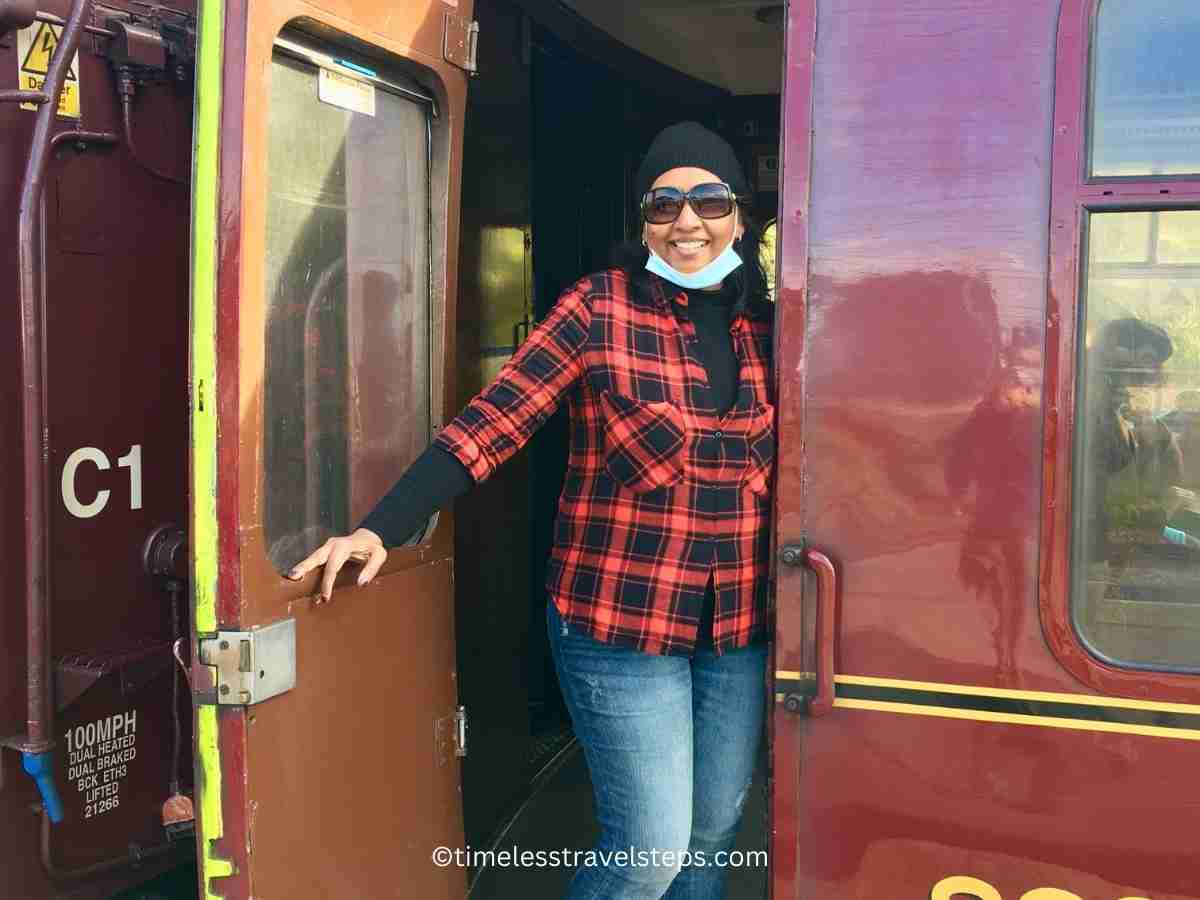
x: 260, y: 250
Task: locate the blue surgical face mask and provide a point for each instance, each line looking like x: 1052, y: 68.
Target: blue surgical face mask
x: 711, y: 274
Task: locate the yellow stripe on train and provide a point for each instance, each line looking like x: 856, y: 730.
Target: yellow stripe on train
x: 970, y: 690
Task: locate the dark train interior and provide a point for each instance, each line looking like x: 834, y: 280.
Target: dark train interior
x: 567, y: 97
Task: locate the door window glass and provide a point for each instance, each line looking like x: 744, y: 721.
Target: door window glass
x: 1146, y: 90
x: 347, y: 390
x: 1137, y: 469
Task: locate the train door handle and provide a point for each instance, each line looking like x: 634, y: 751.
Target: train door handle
x: 827, y: 608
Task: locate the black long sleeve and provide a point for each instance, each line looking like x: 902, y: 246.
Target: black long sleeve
x: 430, y: 483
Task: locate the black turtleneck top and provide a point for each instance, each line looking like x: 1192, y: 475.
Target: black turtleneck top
x: 437, y: 477
x: 711, y: 313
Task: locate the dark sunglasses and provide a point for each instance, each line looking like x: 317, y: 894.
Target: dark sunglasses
x: 712, y: 200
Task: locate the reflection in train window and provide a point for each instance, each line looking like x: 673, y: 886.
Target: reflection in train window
x: 1137, y: 468
x: 347, y: 395
x: 1146, y: 88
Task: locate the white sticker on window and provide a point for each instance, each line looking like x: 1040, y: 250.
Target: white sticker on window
x: 343, y: 91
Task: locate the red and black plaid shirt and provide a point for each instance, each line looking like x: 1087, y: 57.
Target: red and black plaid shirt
x: 660, y: 493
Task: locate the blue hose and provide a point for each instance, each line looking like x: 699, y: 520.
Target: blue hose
x: 40, y: 767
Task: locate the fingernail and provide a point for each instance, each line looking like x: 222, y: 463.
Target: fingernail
x: 293, y: 574
x: 361, y: 580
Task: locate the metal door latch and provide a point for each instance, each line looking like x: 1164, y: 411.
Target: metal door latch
x: 252, y: 666
x: 460, y: 42
x: 450, y: 736
x: 460, y: 731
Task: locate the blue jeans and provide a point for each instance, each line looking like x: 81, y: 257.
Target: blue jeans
x: 671, y: 744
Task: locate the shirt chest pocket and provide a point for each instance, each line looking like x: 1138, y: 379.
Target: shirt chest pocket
x: 741, y: 452
x: 643, y: 442
x: 760, y: 443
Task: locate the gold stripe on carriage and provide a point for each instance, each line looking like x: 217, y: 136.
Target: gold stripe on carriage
x: 1085, y: 712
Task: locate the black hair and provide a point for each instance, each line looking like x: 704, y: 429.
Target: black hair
x: 749, y: 279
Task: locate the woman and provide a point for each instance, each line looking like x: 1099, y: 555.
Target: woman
x: 657, y: 580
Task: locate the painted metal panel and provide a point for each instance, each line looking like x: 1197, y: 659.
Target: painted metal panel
x: 350, y: 784
x: 346, y: 762
x: 912, y: 454
x: 792, y: 645
x: 111, y: 270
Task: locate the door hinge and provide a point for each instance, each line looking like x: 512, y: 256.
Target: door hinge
x: 460, y: 731
x: 460, y: 42
x: 450, y: 731
x: 252, y: 666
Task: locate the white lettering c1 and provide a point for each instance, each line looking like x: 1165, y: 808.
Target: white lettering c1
x: 70, y: 498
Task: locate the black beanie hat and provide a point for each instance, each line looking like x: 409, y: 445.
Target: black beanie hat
x: 690, y: 144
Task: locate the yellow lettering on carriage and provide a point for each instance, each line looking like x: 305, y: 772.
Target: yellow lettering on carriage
x: 957, y: 886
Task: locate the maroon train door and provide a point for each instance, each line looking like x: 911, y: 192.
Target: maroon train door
x: 326, y: 194
x: 987, y: 657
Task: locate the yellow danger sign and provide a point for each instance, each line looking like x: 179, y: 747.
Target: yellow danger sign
x: 35, y: 47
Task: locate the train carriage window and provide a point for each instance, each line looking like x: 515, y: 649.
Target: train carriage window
x: 1137, y: 492
x: 347, y: 390
x: 1145, y: 102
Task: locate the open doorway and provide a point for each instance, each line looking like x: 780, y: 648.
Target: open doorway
x: 567, y: 98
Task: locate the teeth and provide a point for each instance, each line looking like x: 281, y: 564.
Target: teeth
x: 689, y: 245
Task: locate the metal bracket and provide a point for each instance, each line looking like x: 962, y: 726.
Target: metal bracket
x: 450, y: 736
x: 252, y: 666
x: 460, y: 731
x: 460, y: 42
x: 797, y: 692
x: 792, y: 554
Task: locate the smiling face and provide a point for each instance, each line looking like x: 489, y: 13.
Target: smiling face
x: 690, y: 242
